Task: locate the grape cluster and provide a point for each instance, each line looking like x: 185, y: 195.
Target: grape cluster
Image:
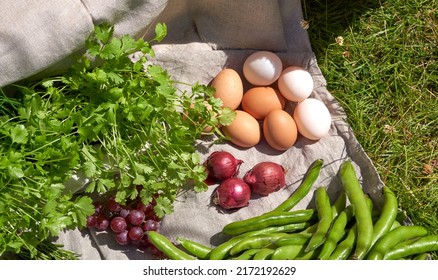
x: 128, y: 222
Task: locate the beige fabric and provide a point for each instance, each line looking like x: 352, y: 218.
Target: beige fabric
x: 42, y: 35
x: 35, y: 35
x: 226, y: 25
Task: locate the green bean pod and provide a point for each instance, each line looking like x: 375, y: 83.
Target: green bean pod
x: 247, y: 255
x: 294, y: 227
x: 293, y: 239
x: 288, y: 252
x: 343, y: 250
x: 255, y: 242
x: 303, y: 189
x: 336, y: 232
x: 363, y: 217
x: 165, y: 246
x: 222, y: 250
x: 395, y: 224
x: 325, y: 215
x: 387, y: 216
x: 311, y: 255
x: 293, y: 252
x: 196, y: 249
x: 310, y: 229
x: 339, y: 205
x: 394, y: 237
x: 422, y: 245
x: 269, y: 219
x: 263, y: 254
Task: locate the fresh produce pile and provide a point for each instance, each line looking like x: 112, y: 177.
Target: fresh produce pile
x: 115, y: 124
x: 329, y: 231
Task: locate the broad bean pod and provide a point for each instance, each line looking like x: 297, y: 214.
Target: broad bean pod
x: 422, y: 245
x: 222, y: 250
x: 387, y: 216
x: 293, y: 239
x: 325, y: 215
x: 165, y: 246
x: 343, y: 250
x: 303, y: 189
x: 293, y: 252
x: 263, y: 254
x: 196, y: 249
x: 336, y: 232
x: 394, y: 237
x: 289, y: 228
x: 363, y: 217
x: 247, y: 255
x: 310, y: 229
x: 339, y: 204
x: 288, y: 252
x: 270, y: 219
x: 255, y: 242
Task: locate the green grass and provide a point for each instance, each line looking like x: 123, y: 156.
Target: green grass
x: 380, y: 60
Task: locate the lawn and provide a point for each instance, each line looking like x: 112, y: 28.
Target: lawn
x: 380, y: 61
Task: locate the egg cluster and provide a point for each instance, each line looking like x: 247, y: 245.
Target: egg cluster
x: 260, y: 111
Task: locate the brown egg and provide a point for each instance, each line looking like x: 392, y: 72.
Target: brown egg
x: 260, y: 101
x: 229, y: 88
x: 244, y: 131
x: 280, y: 130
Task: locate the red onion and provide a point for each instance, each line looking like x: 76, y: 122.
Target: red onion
x: 265, y: 178
x: 222, y: 165
x: 232, y: 193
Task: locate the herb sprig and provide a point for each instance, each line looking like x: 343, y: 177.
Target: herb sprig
x: 114, y: 118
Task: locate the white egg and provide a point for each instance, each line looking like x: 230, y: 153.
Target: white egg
x: 312, y: 118
x: 295, y: 83
x: 262, y: 68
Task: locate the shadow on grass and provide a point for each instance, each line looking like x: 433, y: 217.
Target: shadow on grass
x: 329, y: 18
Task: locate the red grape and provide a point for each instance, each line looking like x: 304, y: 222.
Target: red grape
x: 122, y: 238
x: 136, y: 233
x: 150, y: 225
x: 136, y: 217
x: 124, y: 212
x: 145, y: 208
x: 102, y: 223
x: 118, y: 224
x: 91, y: 221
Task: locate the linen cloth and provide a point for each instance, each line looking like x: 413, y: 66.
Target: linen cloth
x: 204, y: 37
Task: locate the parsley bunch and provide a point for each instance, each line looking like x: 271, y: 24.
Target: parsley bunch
x: 114, y: 117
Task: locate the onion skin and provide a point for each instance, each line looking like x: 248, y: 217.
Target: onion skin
x: 265, y: 178
x: 232, y: 193
x: 222, y: 165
